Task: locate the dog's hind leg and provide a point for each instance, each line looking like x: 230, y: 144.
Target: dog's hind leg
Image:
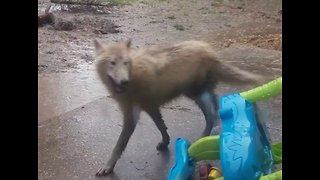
x: 156, y: 116
x: 208, y: 103
x: 131, y: 117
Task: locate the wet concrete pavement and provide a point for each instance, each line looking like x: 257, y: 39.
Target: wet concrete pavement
x: 79, y: 124
x: 76, y: 144
x: 59, y: 93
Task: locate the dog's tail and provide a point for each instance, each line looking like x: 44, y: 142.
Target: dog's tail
x: 227, y: 73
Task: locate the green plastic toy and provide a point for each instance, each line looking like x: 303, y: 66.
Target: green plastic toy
x: 271, y: 89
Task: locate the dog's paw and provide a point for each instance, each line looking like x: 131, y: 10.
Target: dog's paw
x: 104, y: 172
x: 162, y: 146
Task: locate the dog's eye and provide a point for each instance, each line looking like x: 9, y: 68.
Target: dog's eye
x: 113, y: 63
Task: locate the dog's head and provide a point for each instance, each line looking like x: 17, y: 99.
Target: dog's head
x: 114, y: 63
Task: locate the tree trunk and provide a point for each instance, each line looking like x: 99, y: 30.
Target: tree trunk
x: 79, y: 2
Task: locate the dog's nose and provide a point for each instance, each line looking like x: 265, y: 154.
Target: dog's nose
x: 124, y: 82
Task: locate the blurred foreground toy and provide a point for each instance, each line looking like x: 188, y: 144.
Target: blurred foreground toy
x: 243, y: 148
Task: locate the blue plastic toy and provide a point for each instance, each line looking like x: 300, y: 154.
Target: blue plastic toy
x: 242, y: 147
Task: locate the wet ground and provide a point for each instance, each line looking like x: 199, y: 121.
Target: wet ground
x: 79, y: 125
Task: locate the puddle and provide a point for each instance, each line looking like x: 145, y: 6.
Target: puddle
x: 62, y: 92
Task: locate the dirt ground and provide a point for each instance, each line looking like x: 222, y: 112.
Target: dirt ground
x: 223, y: 23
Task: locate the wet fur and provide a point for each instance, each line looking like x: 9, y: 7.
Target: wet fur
x: 158, y: 75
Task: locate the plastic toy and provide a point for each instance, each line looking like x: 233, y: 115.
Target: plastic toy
x: 214, y: 173
x: 204, y: 171
x: 242, y: 147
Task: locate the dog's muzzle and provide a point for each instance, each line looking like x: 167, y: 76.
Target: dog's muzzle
x: 119, y: 87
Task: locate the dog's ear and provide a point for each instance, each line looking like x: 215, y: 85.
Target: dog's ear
x: 128, y: 43
x: 97, y: 45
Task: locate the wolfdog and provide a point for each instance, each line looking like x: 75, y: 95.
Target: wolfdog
x: 146, y: 78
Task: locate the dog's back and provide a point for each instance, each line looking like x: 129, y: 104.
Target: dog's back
x: 160, y: 74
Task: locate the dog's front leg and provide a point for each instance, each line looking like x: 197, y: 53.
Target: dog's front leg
x: 131, y: 117
x: 157, y: 119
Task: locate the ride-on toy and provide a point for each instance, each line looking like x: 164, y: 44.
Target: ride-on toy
x: 243, y: 148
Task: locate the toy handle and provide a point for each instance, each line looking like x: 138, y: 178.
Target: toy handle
x: 263, y: 92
